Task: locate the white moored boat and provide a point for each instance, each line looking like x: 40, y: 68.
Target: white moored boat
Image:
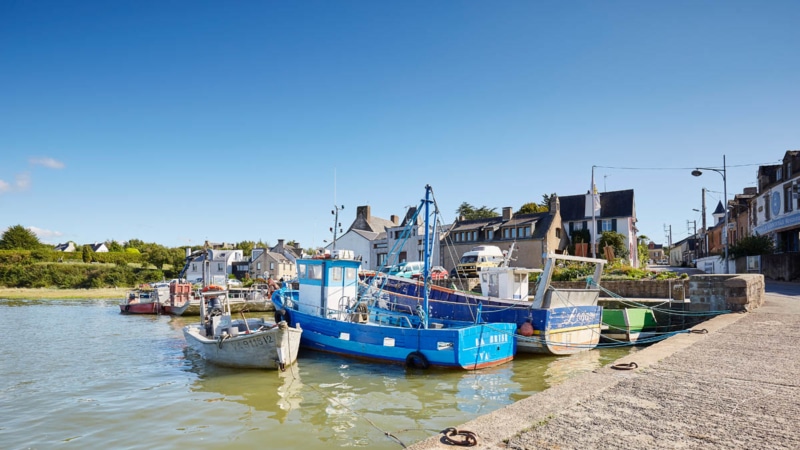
x: 241, y: 343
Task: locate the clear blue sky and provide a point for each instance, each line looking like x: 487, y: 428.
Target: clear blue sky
x: 180, y: 121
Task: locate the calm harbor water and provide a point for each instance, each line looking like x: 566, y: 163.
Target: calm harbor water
x: 77, y: 374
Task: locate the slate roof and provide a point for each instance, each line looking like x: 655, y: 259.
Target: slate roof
x: 612, y: 204
x: 367, y: 222
x: 368, y: 235
x: 541, y: 220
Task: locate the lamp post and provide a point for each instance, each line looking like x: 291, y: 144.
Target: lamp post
x: 724, y: 173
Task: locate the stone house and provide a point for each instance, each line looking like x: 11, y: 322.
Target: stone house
x: 278, y: 262
x: 533, y: 234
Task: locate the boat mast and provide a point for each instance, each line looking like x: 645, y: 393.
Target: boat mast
x: 426, y: 251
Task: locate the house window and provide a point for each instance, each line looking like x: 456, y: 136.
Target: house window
x: 219, y: 267
x: 788, y: 199
x: 605, y: 225
x: 490, y: 235
x: 524, y: 232
x: 558, y: 233
x: 258, y: 266
x: 403, y: 257
x: 419, y: 257
x: 474, y: 235
x: 382, y: 257
x: 766, y: 205
x: 272, y: 266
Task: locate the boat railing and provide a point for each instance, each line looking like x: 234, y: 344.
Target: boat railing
x: 396, y: 320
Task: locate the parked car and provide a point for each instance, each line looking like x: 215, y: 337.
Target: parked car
x: 233, y: 282
x: 437, y: 273
x: 407, y: 269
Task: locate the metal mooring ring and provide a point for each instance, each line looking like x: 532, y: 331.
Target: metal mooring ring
x: 625, y: 366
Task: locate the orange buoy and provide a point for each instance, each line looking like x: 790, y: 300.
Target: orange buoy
x: 526, y: 329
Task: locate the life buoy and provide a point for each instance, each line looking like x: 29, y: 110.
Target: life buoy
x: 213, y: 287
x: 416, y: 360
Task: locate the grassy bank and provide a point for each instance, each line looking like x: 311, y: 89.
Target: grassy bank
x: 49, y: 293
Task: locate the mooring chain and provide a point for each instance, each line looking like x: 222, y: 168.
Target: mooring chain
x: 465, y: 438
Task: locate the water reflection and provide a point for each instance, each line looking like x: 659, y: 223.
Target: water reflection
x: 353, y: 403
x: 137, y: 377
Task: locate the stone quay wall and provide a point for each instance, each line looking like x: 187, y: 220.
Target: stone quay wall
x: 666, y: 289
x: 734, y: 292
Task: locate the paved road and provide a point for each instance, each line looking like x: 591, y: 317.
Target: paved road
x: 736, y: 387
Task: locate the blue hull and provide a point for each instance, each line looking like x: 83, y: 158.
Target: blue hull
x: 561, y: 330
x: 466, y: 347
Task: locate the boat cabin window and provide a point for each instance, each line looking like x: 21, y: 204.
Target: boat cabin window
x: 301, y: 271
x: 336, y: 273
x: 315, y: 272
x: 350, y: 273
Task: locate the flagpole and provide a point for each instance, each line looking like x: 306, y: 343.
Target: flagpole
x: 594, y: 219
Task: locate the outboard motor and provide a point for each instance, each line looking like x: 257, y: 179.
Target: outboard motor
x: 214, y: 307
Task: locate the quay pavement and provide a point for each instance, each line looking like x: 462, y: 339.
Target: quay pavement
x: 736, y: 387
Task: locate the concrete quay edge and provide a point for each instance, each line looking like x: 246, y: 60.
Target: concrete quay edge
x: 495, y: 429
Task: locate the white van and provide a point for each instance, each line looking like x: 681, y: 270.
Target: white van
x: 480, y: 256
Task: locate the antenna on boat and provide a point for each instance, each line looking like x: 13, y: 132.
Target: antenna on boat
x: 337, y: 226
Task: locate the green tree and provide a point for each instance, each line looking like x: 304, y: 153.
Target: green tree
x: 615, y: 240
x: 246, y: 247
x: 138, y: 244
x: 469, y: 212
x: 115, y: 247
x: 546, y: 199
x: 86, y: 253
x: 531, y: 207
x: 643, y: 249
x: 157, y: 256
x: 18, y: 237
x: 751, y: 246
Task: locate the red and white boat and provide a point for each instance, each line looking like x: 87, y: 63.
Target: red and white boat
x: 174, y: 300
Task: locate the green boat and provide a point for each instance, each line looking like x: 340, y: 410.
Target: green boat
x: 628, y: 324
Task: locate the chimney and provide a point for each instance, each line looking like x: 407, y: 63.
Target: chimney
x: 395, y: 220
x: 555, y: 205
x: 364, y: 211
x: 507, y: 213
x: 280, y: 243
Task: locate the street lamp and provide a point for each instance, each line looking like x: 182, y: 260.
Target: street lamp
x: 724, y: 172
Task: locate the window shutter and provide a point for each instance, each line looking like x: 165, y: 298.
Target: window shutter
x: 599, y: 227
x: 571, y: 227
x: 585, y: 225
x: 614, y: 224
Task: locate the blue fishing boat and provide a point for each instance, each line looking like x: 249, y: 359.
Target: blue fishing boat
x: 552, y: 321
x: 337, y: 317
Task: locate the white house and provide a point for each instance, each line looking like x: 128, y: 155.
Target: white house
x: 609, y: 211
x: 219, y: 264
